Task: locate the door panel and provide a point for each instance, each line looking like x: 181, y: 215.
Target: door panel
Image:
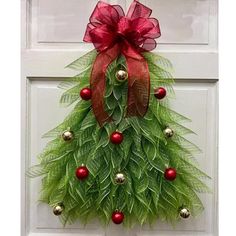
x: 62, y: 23
x: 57, y: 21
x: 194, y: 99
x: 52, y: 32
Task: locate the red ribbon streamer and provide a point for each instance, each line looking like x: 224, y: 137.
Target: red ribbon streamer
x: 114, y: 34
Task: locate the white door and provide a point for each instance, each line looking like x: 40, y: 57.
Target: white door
x: 52, y: 32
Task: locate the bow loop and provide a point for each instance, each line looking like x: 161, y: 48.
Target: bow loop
x: 106, y: 14
x: 101, y: 37
x: 137, y: 10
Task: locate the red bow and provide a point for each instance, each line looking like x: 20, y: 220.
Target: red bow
x: 113, y: 34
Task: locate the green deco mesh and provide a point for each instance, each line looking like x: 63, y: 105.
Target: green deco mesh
x: 143, y: 156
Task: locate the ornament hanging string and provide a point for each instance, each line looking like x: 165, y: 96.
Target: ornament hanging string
x: 113, y: 34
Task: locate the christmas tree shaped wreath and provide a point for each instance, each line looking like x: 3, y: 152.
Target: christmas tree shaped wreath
x: 120, y: 154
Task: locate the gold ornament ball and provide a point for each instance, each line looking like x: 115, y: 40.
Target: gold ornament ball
x: 168, y: 132
x: 184, y: 213
x: 121, y: 75
x: 58, y: 209
x: 67, y: 135
x: 120, y: 178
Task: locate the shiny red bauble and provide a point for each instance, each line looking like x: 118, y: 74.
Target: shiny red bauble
x: 160, y: 93
x: 116, y: 137
x: 170, y: 174
x: 117, y: 217
x: 86, y: 94
x: 82, y: 172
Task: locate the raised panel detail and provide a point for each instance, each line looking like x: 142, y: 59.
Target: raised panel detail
x: 182, y: 21
x: 64, y: 21
x: 195, y: 99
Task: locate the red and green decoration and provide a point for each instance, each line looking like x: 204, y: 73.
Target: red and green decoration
x: 120, y: 155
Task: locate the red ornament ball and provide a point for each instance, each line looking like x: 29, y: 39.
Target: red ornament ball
x: 116, y: 137
x: 170, y: 174
x: 160, y: 93
x: 117, y: 217
x: 86, y: 94
x: 82, y: 172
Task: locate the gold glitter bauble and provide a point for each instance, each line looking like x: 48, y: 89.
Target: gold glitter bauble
x: 184, y: 213
x: 67, y: 135
x: 121, y: 75
x: 120, y: 178
x: 58, y: 209
x: 168, y: 132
